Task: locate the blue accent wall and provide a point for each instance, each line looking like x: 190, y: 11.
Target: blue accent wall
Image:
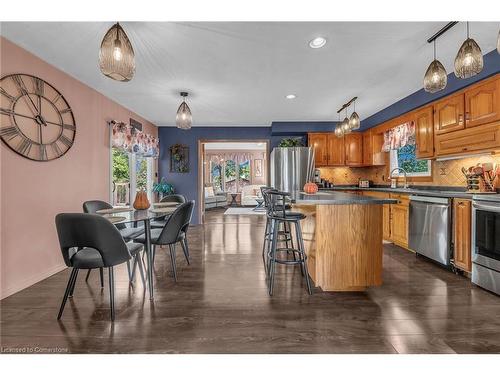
x: 421, y: 97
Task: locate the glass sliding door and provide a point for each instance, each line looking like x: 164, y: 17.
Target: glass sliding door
x: 120, y: 178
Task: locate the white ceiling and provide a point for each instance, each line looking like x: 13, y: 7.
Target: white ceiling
x: 239, y: 73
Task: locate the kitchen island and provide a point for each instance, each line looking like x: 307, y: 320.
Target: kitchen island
x: 343, y: 239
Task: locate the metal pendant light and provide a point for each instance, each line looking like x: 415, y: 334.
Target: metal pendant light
x: 354, y: 122
x: 184, y: 119
x: 435, y: 78
x: 469, y: 60
x: 116, y: 55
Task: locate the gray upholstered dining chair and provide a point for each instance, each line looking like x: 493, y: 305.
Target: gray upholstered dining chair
x: 172, y: 233
x: 90, y: 241
x: 128, y: 234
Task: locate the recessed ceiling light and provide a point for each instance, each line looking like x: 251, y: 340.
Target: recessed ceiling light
x: 317, y: 42
x: 291, y: 96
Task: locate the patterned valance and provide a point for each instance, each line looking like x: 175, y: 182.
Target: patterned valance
x: 399, y: 136
x: 126, y: 137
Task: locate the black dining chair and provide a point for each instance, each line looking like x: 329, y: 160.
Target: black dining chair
x: 128, y: 233
x: 172, y: 233
x: 90, y: 241
x: 174, y: 198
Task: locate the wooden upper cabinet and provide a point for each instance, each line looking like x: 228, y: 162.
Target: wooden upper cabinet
x: 319, y: 141
x: 367, y: 148
x: 482, y: 103
x: 462, y: 234
x: 353, y: 149
x: 449, y: 114
x: 424, y: 132
x: 485, y: 137
x: 335, y: 150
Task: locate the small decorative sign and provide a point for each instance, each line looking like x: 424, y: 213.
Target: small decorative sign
x: 179, y: 158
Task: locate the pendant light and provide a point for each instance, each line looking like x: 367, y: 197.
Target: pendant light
x: 354, y: 122
x: 346, y: 129
x: 184, y: 119
x: 435, y: 78
x: 116, y: 55
x: 338, y: 129
x: 469, y: 60
x: 498, y: 42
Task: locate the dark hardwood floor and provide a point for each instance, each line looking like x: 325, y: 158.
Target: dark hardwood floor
x: 220, y: 305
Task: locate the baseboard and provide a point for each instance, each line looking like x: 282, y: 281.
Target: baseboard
x: 31, y: 281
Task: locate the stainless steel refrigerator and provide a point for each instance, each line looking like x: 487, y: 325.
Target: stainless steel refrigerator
x: 291, y: 167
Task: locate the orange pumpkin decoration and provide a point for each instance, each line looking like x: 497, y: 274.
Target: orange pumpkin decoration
x: 311, y: 188
x: 141, y: 201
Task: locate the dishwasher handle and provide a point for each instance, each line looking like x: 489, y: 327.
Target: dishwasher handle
x: 430, y: 200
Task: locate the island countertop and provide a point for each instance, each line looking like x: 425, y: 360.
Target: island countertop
x: 337, y: 198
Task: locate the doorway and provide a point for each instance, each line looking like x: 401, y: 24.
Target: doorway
x: 230, y: 173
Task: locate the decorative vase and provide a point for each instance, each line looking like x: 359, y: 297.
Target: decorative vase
x: 310, y: 188
x: 141, y: 201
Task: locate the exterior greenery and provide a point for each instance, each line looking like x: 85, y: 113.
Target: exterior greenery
x: 407, y: 160
x: 291, y: 142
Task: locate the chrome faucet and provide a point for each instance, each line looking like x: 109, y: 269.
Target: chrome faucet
x: 404, y: 175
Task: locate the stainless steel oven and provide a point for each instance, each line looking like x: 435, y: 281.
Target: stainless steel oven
x: 486, y: 242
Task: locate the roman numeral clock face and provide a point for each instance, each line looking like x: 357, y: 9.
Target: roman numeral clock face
x: 35, y: 119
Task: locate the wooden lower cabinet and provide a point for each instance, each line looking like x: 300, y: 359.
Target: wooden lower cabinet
x: 462, y: 234
x: 386, y: 209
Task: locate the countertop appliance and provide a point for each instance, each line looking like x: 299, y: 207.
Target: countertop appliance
x: 363, y: 183
x: 430, y: 227
x: 486, y: 242
x: 291, y: 167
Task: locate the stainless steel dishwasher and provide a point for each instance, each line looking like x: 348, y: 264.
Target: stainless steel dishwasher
x: 430, y: 227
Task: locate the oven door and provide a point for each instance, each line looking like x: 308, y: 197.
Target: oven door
x: 486, y: 234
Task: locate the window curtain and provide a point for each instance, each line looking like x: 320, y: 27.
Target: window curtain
x: 128, y: 138
x: 399, y: 136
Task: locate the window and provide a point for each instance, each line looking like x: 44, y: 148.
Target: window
x: 216, y: 176
x: 130, y: 173
x: 405, y: 157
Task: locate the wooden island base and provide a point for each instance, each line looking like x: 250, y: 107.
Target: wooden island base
x: 343, y: 245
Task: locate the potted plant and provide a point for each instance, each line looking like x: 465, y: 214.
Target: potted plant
x: 291, y: 142
x: 163, y: 188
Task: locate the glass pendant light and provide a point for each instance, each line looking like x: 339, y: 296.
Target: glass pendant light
x: 116, y: 55
x: 346, y: 128
x: 338, y: 129
x: 354, y: 122
x: 498, y: 42
x: 184, y: 119
x: 435, y: 78
x: 469, y: 60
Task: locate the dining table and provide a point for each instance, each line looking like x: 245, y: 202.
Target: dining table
x: 131, y: 216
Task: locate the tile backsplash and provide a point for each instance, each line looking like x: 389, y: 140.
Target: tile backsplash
x: 444, y: 173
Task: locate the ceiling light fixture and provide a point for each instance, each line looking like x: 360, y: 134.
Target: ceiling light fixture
x: 317, y: 42
x: 116, y: 55
x: 469, y: 60
x: 354, y: 122
x: 291, y: 96
x: 346, y: 128
x: 338, y: 129
x: 435, y: 78
x: 184, y: 119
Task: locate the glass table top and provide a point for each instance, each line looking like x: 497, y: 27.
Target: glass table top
x: 129, y: 215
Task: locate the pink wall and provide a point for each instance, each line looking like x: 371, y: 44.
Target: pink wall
x: 32, y: 193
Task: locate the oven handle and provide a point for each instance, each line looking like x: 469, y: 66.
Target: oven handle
x: 486, y: 207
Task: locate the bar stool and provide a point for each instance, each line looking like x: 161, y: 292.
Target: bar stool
x: 284, y: 235
x: 278, y: 214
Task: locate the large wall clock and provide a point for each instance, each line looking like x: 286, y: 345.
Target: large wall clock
x: 36, y: 120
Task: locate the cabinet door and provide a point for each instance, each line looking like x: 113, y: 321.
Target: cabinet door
x: 319, y: 142
x: 482, y: 104
x: 367, y: 148
x: 399, y: 224
x: 485, y: 137
x: 424, y: 131
x: 449, y: 114
x: 462, y: 237
x: 335, y: 150
x: 354, y: 149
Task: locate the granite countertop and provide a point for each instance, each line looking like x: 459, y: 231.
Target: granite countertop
x: 333, y: 197
x: 433, y: 192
